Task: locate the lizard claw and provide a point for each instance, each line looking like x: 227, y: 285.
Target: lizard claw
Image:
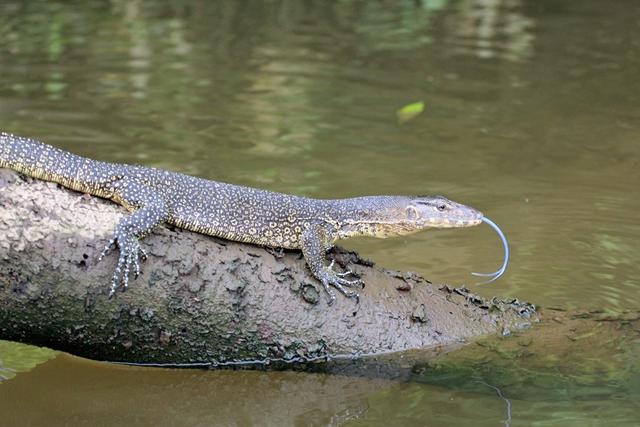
x: 107, y: 248
x: 343, y: 274
x: 330, y: 294
x: 130, y: 253
x: 329, y: 278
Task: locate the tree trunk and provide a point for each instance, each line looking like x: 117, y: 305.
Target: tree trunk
x: 205, y: 300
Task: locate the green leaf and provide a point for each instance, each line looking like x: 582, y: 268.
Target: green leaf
x: 16, y: 357
x: 410, y: 111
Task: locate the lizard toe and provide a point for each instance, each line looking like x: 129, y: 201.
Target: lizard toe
x: 346, y: 292
x: 107, y: 248
x: 331, y: 279
x: 130, y: 253
x: 327, y: 288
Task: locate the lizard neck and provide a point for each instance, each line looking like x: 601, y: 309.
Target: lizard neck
x: 367, y: 216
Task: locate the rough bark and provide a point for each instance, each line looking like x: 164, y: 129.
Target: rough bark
x: 202, y: 299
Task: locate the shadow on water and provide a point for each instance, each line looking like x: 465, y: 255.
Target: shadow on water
x: 569, y: 365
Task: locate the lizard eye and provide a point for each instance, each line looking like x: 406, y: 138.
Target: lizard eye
x: 442, y: 207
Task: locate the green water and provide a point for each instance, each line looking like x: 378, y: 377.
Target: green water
x: 532, y: 114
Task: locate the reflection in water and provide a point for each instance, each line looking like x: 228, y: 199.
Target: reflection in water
x: 139, y: 49
x: 525, y: 118
x: 539, y: 376
x: 491, y: 29
x: 507, y: 402
x: 100, y: 394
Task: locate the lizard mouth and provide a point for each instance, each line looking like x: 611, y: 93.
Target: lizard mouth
x: 452, y: 223
x: 470, y: 222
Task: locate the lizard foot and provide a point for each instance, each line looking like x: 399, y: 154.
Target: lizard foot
x: 329, y: 278
x: 344, y: 273
x: 130, y: 253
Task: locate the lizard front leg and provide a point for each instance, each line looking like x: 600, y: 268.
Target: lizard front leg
x: 152, y: 211
x: 315, y: 243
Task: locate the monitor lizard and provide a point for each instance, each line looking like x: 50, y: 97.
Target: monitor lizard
x: 229, y: 211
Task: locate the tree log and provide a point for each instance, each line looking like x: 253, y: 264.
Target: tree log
x: 206, y: 300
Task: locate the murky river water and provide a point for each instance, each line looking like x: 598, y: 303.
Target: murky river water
x: 532, y: 114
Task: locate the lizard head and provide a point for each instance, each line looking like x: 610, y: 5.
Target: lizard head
x: 439, y: 212
x: 387, y: 216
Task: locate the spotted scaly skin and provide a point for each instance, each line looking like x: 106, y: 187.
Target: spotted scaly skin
x: 230, y: 211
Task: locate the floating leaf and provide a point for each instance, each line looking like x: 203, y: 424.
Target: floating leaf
x: 15, y: 357
x: 410, y: 111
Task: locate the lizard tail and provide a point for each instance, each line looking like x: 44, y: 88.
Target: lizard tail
x: 48, y: 163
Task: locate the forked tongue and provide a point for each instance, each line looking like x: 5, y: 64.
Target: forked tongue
x: 493, y: 276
